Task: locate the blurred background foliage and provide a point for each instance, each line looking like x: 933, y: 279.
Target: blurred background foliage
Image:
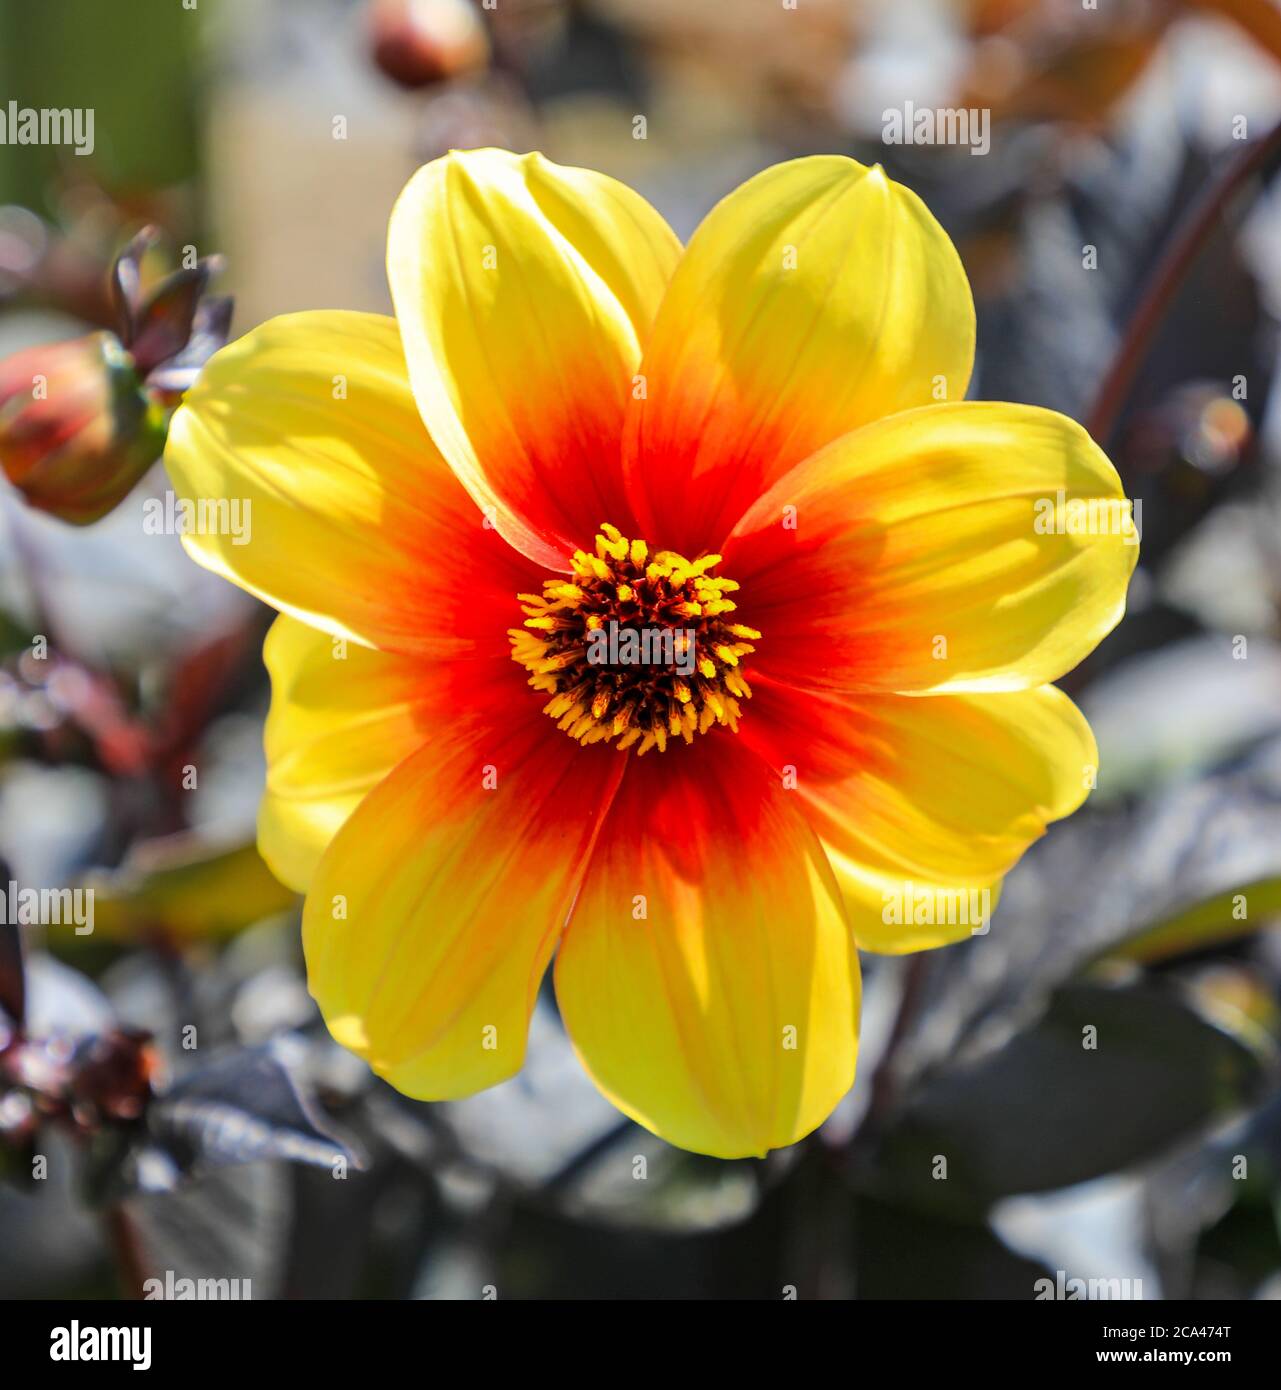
x: 171, y: 1065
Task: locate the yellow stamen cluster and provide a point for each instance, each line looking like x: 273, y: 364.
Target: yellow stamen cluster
x: 581, y: 632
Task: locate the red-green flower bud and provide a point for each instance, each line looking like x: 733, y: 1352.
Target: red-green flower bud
x: 77, y: 429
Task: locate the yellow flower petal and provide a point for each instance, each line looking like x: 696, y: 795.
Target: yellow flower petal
x: 342, y: 716
x: 817, y: 297
x: 923, y: 913
x: 965, y: 547
x: 433, y: 913
x: 708, y: 978
x: 355, y: 523
x: 922, y: 802
x: 524, y: 291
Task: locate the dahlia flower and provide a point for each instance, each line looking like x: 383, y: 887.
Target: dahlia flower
x: 757, y: 448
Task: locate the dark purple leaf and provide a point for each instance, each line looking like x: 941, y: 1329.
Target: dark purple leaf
x: 164, y: 325
x: 242, y: 1107
x: 126, y: 279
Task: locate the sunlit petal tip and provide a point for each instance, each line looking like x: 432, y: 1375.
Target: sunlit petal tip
x: 349, y: 1031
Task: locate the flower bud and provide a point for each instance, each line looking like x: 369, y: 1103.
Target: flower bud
x: 420, y: 42
x: 77, y: 429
